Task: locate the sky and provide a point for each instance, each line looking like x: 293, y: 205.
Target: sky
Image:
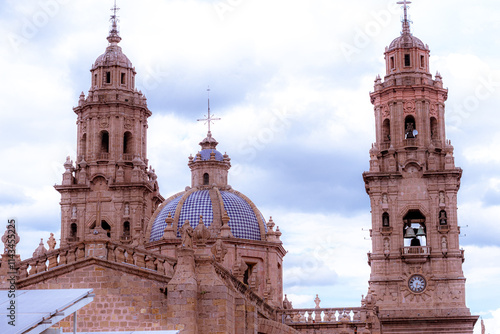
x: 291, y: 81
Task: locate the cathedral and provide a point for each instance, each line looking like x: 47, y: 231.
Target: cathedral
x: 205, y: 260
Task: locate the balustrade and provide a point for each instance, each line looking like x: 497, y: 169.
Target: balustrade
x: 325, y: 315
x: 140, y: 258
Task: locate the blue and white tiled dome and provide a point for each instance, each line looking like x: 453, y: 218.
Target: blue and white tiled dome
x: 245, y: 220
x: 205, y: 155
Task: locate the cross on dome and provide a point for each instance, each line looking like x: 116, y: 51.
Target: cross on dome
x: 114, y: 36
x: 209, y: 119
x: 406, y: 23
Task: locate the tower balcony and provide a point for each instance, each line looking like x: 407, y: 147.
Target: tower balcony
x: 103, y: 156
x: 128, y: 157
x: 410, y: 143
x: 415, y: 254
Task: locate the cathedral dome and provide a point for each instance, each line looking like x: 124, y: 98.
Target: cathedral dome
x: 210, y: 205
x: 113, y: 56
x: 407, y: 41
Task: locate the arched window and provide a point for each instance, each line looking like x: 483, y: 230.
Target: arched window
x: 410, y: 127
x: 443, y: 219
x: 126, y: 229
x: 386, y: 131
x: 83, y: 145
x: 73, y: 229
x: 105, y: 226
x: 104, y: 142
x: 434, y: 128
x: 206, y: 179
x: 127, y: 143
x: 385, y: 220
x: 414, y: 229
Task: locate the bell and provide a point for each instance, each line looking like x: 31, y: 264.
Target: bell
x: 410, y: 233
x: 420, y: 232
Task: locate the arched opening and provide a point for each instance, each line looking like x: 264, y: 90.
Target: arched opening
x: 127, y: 143
x: 385, y: 220
x: 105, y: 226
x: 414, y: 229
x: 392, y: 63
x: 386, y: 131
x: 434, y: 128
x: 443, y: 219
x: 83, y: 145
x: 248, y: 273
x: 407, y: 60
x: 410, y: 127
x: 126, y: 230
x: 104, y: 142
x: 422, y: 61
x: 73, y: 230
x: 206, y: 179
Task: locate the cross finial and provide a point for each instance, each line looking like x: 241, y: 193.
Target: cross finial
x: 114, y: 37
x: 209, y: 119
x: 406, y: 23
x: 114, y: 9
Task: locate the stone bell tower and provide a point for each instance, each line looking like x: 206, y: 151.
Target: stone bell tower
x: 416, y: 261
x: 109, y: 189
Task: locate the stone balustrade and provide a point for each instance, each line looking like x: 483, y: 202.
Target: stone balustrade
x: 110, y: 251
x: 325, y: 315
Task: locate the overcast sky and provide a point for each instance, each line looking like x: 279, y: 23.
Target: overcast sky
x: 290, y: 80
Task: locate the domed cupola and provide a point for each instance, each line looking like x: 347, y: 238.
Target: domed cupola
x: 209, y: 199
x: 407, y: 54
x: 113, y: 69
x: 209, y: 167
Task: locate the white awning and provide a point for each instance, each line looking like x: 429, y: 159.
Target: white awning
x: 33, y: 311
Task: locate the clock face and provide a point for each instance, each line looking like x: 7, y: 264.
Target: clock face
x: 417, y: 283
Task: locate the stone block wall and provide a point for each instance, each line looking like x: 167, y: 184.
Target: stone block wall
x: 123, y: 300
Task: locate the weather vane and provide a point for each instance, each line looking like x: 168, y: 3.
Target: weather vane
x: 208, y: 119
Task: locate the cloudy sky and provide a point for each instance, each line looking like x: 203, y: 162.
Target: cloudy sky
x: 290, y: 80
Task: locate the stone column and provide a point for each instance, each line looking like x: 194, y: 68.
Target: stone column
x: 183, y: 294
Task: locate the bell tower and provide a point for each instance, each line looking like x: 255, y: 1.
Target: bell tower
x: 109, y: 189
x: 416, y: 261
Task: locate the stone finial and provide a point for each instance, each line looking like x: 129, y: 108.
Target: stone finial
x: 219, y: 250
x: 11, y: 229
x: 169, y: 232
x: 278, y: 234
x: 51, y: 242
x: 271, y: 234
x: 201, y: 232
x: 287, y: 305
x: 40, y: 250
x: 317, y: 301
x: 187, y: 235
x: 225, y: 231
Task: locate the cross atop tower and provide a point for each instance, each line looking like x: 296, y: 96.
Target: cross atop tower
x: 209, y: 119
x: 114, y: 9
x: 114, y: 36
x: 406, y: 23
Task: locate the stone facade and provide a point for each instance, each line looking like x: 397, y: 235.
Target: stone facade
x: 221, y: 271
